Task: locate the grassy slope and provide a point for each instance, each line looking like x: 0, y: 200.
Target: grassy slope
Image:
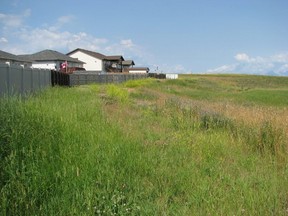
x: 148, y: 148
x: 260, y: 90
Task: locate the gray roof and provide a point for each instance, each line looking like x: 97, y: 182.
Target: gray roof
x: 128, y: 63
x: 115, y: 58
x: 139, y: 68
x: 98, y: 55
x: 49, y: 55
x: 8, y: 56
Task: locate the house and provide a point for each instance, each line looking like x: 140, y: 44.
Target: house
x: 128, y: 67
x: 127, y: 64
x: 138, y: 70
x: 8, y: 58
x: 113, y: 64
x: 95, y: 61
x: 52, y: 60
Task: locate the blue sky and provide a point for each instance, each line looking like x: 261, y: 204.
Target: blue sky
x: 182, y: 36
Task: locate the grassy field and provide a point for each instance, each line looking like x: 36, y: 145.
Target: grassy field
x: 199, y: 145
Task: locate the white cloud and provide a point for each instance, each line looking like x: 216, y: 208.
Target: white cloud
x: 129, y: 50
x: 65, y: 19
x: 17, y: 37
x: 127, y: 43
x: 26, y: 13
x: 124, y: 46
x: 282, y: 69
x: 165, y: 68
x: 3, y: 40
x: 242, y: 57
x: 222, y: 69
x: 61, y: 22
x: 50, y: 38
x: 20, y: 38
x: 13, y: 20
x: 281, y: 58
x: 276, y: 65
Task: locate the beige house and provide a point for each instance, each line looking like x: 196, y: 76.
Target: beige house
x: 94, y: 61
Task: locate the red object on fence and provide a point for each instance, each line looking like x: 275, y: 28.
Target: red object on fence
x: 64, y: 65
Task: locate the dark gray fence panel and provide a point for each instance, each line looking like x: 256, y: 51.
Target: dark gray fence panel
x: 15, y: 81
x: 18, y: 80
x: 35, y: 79
x: 27, y: 81
x: 4, y: 78
x: 93, y: 77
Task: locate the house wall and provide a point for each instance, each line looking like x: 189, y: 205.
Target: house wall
x: 137, y: 71
x: 11, y: 62
x: 45, y: 65
x: 52, y: 65
x: 91, y: 63
x: 4, y: 61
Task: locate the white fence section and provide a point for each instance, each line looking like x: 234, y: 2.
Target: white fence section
x: 18, y: 80
x: 171, y: 76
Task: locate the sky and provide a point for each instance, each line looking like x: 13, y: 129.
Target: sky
x: 170, y: 36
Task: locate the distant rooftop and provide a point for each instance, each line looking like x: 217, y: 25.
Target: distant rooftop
x: 49, y: 55
x: 8, y: 56
x: 98, y: 55
x: 128, y: 63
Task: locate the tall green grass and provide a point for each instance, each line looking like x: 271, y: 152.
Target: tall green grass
x: 60, y: 157
x: 87, y: 151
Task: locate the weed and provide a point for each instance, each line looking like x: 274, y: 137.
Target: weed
x: 212, y: 120
x: 138, y: 83
x: 64, y: 152
x: 95, y: 87
x: 117, y: 94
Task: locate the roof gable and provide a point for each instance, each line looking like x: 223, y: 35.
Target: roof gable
x: 128, y: 63
x: 90, y: 53
x: 114, y: 58
x: 139, y: 68
x: 98, y: 55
